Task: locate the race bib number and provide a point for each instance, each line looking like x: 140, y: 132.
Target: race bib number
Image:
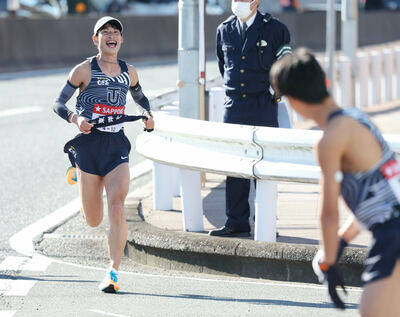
x: 391, y: 171
x: 104, y: 110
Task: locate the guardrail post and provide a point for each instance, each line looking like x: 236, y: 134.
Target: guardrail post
x: 284, y: 119
x: 174, y: 181
x: 265, y: 211
x: 166, y: 183
x: 345, y: 81
x: 363, y: 79
x: 376, y: 76
x: 388, y: 73
x: 216, y: 104
x: 162, y: 189
x: 192, y: 205
x: 397, y: 70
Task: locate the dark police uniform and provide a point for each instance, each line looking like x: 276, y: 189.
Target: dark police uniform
x: 245, y: 68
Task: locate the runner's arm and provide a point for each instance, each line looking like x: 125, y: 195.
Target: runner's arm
x: 350, y: 229
x: 139, y: 97
x: 136, y: 91
x: 79, y: 77
x: 60, y: 106
x: 330, y: 152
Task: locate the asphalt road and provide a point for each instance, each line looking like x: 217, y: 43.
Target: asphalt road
x: 32, y: 137
x: 33, y: 185
x: 66, y: 291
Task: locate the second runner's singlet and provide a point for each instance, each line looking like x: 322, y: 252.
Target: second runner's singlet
x: 104, y: 95
x: 368, y: 194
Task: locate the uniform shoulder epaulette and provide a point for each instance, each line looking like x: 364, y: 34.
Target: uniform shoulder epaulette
x: 231, y: 18
x: 267, y: 17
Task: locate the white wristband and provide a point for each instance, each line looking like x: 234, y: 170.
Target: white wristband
x: 71, y: 118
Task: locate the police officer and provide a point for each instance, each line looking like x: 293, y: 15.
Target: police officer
x: 248, y: 43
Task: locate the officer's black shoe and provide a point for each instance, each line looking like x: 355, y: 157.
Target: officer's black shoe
x: 228, y: 232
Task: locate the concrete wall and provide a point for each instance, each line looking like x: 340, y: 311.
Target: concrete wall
x: 37, y: 43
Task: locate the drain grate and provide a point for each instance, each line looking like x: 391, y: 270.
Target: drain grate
x: 74, y: 236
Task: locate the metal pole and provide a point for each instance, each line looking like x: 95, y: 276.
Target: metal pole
x: 189, y: 106
x: 202, y: 72
x: 345, y: 82
x: 331, y: 43
x: 388, y: 67
x: 363, y: 75
x: 188, y: 59
x: 397, y: 70
x: 376, y: 76
x: 349, y: 40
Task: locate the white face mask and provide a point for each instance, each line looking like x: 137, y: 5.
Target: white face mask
x: 241, y: 9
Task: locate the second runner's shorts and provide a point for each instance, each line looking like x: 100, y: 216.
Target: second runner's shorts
x: 383, y: 252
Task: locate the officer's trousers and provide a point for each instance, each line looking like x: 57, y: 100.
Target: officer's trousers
x: 258, y: 111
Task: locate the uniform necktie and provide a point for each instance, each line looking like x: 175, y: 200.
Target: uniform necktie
x: 244, y: 29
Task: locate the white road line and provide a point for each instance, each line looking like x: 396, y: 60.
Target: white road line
x: 19, y: 263
x: 10, y: 287
x: 105, y: 313
x: 13, y: 263
x: 17, y: 111
x: 7, y: 313
x: 37, y: 263
x: 213, y: 280
x: 23, y: 240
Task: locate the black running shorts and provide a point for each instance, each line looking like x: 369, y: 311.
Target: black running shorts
x: 98, y: 152
x: 384, y: 251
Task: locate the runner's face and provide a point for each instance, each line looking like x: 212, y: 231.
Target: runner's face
x: 109, y: 40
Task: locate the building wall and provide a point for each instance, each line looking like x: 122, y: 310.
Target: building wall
x: 38, y: 43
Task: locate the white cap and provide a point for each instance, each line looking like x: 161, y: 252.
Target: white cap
x: 104, y: 20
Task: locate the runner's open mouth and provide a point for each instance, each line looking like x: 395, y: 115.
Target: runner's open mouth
x: 111, y: 43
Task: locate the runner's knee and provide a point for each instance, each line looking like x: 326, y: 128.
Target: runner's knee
x: 116, y: 213
x: 93, y: 219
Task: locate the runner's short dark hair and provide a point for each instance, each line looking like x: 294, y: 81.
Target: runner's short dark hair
x: 300, y: 76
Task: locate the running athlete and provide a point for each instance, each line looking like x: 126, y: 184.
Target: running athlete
x: 101, y: 155
x: 356, y: 163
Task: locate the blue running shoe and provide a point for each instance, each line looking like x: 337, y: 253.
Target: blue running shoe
x: 110, y: 282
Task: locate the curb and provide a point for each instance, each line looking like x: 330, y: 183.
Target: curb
x: 198, y: 252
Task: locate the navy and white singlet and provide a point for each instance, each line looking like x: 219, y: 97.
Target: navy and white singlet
x: 100, y: 151
x: 368, y: 194
x: 104, y: 95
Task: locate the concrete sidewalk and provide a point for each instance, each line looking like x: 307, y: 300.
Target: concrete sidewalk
x: 160, y: 240
x: 297, y: 223
x: 157, y: 238
x: 297, y: 216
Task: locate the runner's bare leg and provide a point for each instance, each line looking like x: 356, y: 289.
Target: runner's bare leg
x: 381, y: 298
x: 91, y: 193
x: 117, y: 187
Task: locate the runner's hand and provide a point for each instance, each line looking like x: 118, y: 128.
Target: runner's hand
x: 329, y: 274
x: 334, y: 279
x: 148, y: 123
x: 83, y: 125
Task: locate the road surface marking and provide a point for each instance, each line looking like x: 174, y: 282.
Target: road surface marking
x: 7, y: 313
x: 10, y: 287
x: 19, y: 263
x: 105, y: 313
x: 17, y: 111
x: 22, y: 241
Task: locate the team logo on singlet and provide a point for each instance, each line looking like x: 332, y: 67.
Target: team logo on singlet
x: 103, y: 81
x: 106, y: 110
x: 113, y: 94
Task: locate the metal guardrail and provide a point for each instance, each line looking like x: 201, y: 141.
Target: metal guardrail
x: 262, y: 153
x: 236, y: 150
